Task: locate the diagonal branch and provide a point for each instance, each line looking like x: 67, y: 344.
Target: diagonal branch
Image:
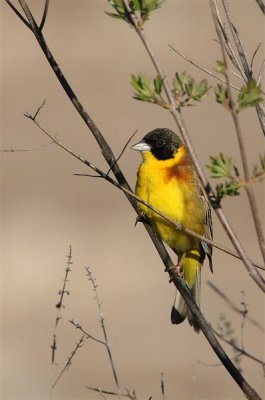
x: 261, y: 5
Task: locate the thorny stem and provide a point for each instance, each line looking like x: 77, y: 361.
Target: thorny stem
x: 102, y: 322
x: 176, y: 113
x: 79, y: 344
x: 60, y: 307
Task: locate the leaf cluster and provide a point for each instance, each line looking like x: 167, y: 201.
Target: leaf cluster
x: 147, y: 89
x: 249, y: 96
x: 142, y: 8
x: 185, y: 89
x: 223, y: 167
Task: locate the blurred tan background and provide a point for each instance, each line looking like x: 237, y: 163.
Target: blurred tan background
x: 45, y: 208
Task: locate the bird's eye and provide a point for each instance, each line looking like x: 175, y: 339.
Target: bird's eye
x: 159, y: 142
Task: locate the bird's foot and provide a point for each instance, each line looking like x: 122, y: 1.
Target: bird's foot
x: 141, y: 218
x: 175, y: 271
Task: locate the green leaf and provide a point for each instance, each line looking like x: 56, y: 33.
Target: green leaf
x: 227, y: 189
x: 249, y: 96
x: 221, y: 94
x: 196, y: 91
x: 158, y: 83
x: 220, y: 67
x: 221, y: 166
x: 145, y: 89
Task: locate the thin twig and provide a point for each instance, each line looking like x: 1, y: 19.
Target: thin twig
x: 242, y: 148
x: 162, y: 385
x: 20, y: 16
x: 60, y: 307
x: 254, y: 54
x: 44, y: 16
x: 200, y: 68
x: 26, y: 149
x: 240, y: 349
x: 123, y: 149
x: 260, y: 73
x: 96, y: 389
x: 233, y: 306
x: 79, y: 344
x: 102, y: 323
x: 78, y: 326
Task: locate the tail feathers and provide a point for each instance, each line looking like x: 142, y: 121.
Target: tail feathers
x: 180, y: 309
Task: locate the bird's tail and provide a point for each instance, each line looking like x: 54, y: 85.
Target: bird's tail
x: 192, y: 276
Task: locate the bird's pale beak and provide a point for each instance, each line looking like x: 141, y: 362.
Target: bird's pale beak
x: 141, y: 146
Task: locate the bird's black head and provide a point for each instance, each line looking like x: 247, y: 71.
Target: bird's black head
x: 163, y: 143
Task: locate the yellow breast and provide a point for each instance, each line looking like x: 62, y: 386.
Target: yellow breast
x: 169, y: 185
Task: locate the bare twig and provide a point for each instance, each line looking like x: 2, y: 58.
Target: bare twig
x: 60, y: 305
x: 20, y: 16
x: 79, y: 344
x: 199, y: 67
x: 44, y: 16
x: 162, y: 385
x: 124, y: 148
x: 78, y: 326
x: 129, y: 394
x: 260, y: 73
x: 240, y: 349
x: 233, y: 306
x: 102, y: 323
x: 25, y: 149
x: 254, y: 54
x: 243, y: 153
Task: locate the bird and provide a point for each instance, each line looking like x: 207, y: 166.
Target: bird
x: 167, y: 180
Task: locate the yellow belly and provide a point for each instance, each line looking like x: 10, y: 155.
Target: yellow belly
x: 177, y: 200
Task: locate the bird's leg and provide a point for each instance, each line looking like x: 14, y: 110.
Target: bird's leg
x: 177, y: 270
